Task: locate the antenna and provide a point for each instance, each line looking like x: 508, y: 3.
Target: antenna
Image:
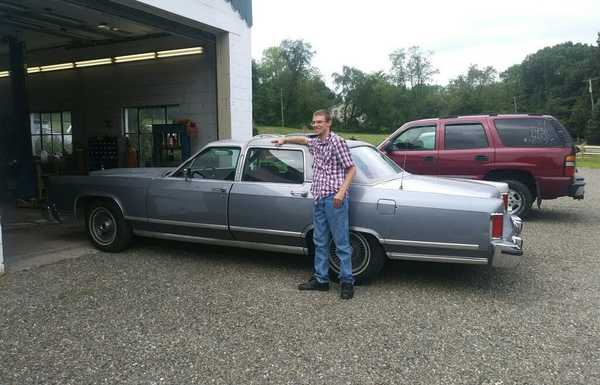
x: 403, y: 171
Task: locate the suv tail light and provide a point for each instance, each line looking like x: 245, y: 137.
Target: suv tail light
x: 570, y: 161
x: 497, y: 225
x: 505, y: 201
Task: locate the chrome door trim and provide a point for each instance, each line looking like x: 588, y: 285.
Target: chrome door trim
x: 179, y: 223
x: 438, y: 258
x: 437, y: 245
x: 266, y: 231
x: 222, y: 242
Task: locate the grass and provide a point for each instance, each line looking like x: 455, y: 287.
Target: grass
x: 588, y: 161
x: 374, y: 139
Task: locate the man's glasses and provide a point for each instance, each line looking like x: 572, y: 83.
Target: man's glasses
x: 315, y: 122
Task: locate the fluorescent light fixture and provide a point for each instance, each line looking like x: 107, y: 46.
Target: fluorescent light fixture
x: 56, y: 67
x: 140, y: 56
x: 4, y: 74
x: 32, y: 70
x: 95, y: 62
x: 180, y: 52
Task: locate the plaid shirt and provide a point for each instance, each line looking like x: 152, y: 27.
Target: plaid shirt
x: 331, y: 159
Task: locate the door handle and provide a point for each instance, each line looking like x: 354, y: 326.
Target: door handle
x: 219, y: 189
x: 428, y: 158
x: 482, y: 157
x: 303, y: 194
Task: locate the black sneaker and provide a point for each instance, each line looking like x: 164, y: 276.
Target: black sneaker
x: 313, y: 284
x: 347, y: 290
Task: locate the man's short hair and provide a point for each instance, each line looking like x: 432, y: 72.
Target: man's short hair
x: 324, y: 113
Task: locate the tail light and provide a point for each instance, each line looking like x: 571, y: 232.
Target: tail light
x: 505, y: 201
x: 497, y: 224
x: 570, y: 165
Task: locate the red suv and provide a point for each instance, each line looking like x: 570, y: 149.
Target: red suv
x: 533, y: 154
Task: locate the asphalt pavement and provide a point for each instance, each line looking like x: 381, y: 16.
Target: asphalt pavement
x: 174, y: 313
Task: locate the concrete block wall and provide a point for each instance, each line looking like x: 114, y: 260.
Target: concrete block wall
x: 220, y: 15
x: 99, y: 94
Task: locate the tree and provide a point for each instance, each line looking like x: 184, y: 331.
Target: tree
x: 285, y: 79
x: 419, y: 69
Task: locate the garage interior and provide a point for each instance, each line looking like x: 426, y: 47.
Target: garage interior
x: 90, y: 85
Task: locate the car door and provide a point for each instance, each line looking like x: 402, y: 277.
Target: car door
x: 414, y: 149
x: 465, y: 150
x: 194, y: 203
x: 272, y: 201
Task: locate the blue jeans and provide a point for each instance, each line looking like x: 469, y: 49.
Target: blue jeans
x: 329, y: 221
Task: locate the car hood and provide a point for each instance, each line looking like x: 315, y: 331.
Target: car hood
x: 145, y: 172
x: 450, y: 186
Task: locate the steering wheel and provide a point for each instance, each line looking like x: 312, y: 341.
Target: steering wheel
x: 204, y: 172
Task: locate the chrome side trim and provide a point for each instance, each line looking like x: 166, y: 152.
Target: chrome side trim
x: 437, y: 245
x: 365, y: 230
x: 137, y: 219
x: 224, y: 242
x: 266, y: 231
x: 438, y: 258
x: 179, y: 223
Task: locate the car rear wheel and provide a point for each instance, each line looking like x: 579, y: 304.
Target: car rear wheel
x: 367, y: 258
x: 520, y: 198
x: 107, y: 228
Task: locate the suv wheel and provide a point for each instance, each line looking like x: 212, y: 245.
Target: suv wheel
x: 520, y: 198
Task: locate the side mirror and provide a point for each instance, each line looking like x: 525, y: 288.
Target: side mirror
x: 187, y: 172
x: 389, y: 147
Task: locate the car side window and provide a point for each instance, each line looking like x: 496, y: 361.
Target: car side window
x: 213, y: 163
x: 416, y: 139
x: 465, y: 136
x: 274, y: 166
x: 529, y: 132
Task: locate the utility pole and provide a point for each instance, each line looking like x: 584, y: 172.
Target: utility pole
x: 281, y: 103
x: 591, y: 90
x: 515, y: 103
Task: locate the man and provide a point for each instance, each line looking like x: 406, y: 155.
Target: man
x: 333, y: 170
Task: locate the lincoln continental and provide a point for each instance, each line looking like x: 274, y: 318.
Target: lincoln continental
x: 255, y: 195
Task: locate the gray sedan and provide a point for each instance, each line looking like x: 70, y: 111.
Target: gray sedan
x: 253, y: 194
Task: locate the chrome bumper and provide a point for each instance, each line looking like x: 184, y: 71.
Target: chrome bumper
x: 507, y: 253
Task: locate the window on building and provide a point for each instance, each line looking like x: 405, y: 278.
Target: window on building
x: 51, y: 132
x: 465, y: 136
x: 137, y: 123
x: 275, y: 166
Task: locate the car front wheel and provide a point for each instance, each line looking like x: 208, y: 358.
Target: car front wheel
x: 107, y: 228
x: 367, y: 258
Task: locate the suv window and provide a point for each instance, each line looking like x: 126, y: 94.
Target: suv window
x: 464, y: 136
x: 213, y: 163
x: 528, y: 132
x: 274, y: 166
x: 416, y: 139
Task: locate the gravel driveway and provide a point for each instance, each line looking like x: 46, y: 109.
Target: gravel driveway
x: 171, y: 313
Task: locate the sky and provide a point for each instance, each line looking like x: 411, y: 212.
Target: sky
x: 362, y: 34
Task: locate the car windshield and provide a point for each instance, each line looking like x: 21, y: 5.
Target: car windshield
x: 371, y: 164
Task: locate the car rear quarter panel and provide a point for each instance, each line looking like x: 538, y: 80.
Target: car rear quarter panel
x: 425, y: 217
x: 128, y: 192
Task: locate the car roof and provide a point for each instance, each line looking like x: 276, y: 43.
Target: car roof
x: 265, y: 140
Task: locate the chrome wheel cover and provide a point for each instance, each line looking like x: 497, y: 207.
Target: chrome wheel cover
x: 515, y: 201
x: 102, y: 226
x: 361, y: 254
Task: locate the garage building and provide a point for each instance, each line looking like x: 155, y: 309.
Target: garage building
x: 117, y: 83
